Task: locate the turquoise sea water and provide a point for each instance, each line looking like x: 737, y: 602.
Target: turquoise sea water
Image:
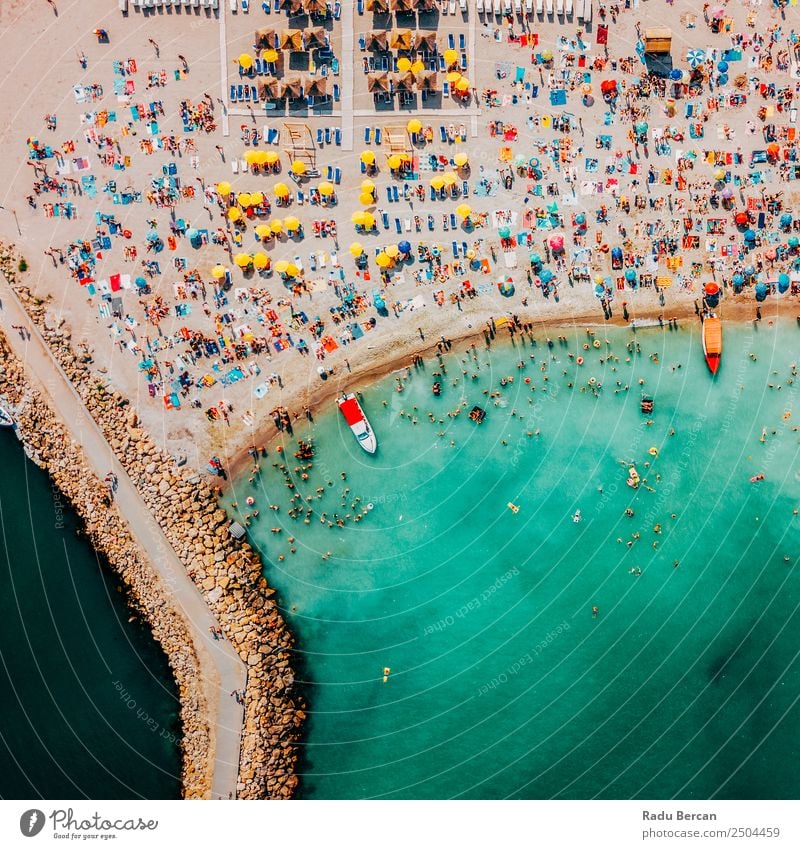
x: 502, y: 682
x: 88, y: 707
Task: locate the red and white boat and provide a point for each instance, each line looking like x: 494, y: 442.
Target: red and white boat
x: 355, y: 418
x: 712, y: 341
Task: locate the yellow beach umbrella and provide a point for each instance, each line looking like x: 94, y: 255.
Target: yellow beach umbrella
x: 356, y: 249
x: 260, y: 260
x: 292, y: 270
x: 358, y: 216
x: 383, y: 260
x: 270, y: 55
x: 250, y: 156
x: 263, y: 231
x: 276, y: 225
x: 291, y: 223
x: 367, y: 186
x: 471, y: 254
x: 450, y: 57
x: 246, y: 61
x: 326, y: 189
x: 414, y: 125
x: 298, y: 167
x: 270, y: 157
x: 453, y: 77
x: 462, y: 84
x: 369, y: 221
x: 450, y: 179
x: 260, y: 157
x: 281, y: 190
x: 256, y: 198
x: 243, y: 260
x: 403, y: 65
x: 463, y: 210
x: 366, y: 199
x: 223, y: 189
x: 244, y: 200
x: 547, y: 55
x: 281, y: 265
x: 461, y: 159
x: 234, y: 213
x: 392, y: 251
x: 368, y: 157
x: 418, y: 67
x: 395, y: 161
x: 218, y: 272
x: 437, y: 182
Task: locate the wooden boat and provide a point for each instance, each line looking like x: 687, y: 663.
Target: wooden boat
x: 358, y: 423
x: 712, y: 341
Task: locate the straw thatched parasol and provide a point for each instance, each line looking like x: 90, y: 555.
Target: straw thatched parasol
x: 316, y: 7
x: 402, y: 5
x: 425, y: 40
x: 427, y: 5
x: 292, y: 39
x: 270, y: 89
x: 293, y: 6
x: 378, y: 40
x: 316, y: 87
x: 400, y: 39
x: 378, y: 6
x: 265, y: 37
x: 377, y: 83
x: 428, y: 81
x: 405, y: 82
x: 315, y: 38
x: 292, y: 87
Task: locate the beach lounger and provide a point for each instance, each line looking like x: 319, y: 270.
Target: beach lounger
x: 336, y: 93
x: 319, y: 136
x: 587, y: 11
x: 389, y: 193
x: 385, y: 220
x: 327, y: 135
x: 367, y: 135
x: 451, y: 40
x: 362, y: 42
x: 463, y: 62
x: 452, y: 7
x: 445, y: 90
x: 539, y: 7
x: 254, y: 94
x: 455, y: 250
x: 465, y: 188
x: 377, y: 135
x: 395, y: 194
x: 398, y: 225
x: 233, y: 97
x: 246, y: 6
x: 266, y: 7
x: 234, y: 5
x: 360, y: 7
x: 507, y: 7
x: 337, y: 135
x: 337, y: 176
x: 235, y: 166
x: 462, y: 41
x: 518, y: 6
x: 529, y: 7
x: 453, y: 224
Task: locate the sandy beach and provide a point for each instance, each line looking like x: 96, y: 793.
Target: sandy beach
x: 646, y: 178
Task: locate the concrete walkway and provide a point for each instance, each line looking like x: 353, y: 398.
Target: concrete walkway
x: 221, y: 668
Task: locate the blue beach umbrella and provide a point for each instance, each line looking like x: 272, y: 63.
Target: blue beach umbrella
x: 783, y: 282
x: 786, y: 219
x: 761, y: 291
x: 630, y: 275
x: 140, y: 282
x: 405, y: 247
x: 723, y: 79
x: 696, y: 57
x: 738, y: 279
x: 722, y: 67
x: 675, y: 74
x: 153, y: 236
x: 535, y: 259
x: 793, y: 241
x: 580, y: 219
x: 749, y: 270
x: 599, y: 290
x: 749, y: 235
x: 642, y: 127
x: 546, y: 275
x: 504, y: 232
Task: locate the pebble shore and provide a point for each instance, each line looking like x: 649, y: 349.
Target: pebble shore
x: 227, y: 572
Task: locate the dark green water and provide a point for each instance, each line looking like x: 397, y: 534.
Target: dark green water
x: 88, y: 708
x: 687, y: 684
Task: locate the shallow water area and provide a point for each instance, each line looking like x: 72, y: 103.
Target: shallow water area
x: 503, y: 680
x: 88, y: 706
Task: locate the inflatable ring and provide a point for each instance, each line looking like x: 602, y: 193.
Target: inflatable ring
x: 370, y: 506
x: 592, y: 381
x: 189, y: 191
x: 604, y: 248
x: 579, y: 361
x: 787, y: 415
x: 127, y: 234
x: 585, y: 346
x: 653, y: 451
x: 533, y: 162
x: 596, y: 343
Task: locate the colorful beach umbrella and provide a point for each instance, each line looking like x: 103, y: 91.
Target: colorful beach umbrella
x: 696, y: 58
x: 405, y: 247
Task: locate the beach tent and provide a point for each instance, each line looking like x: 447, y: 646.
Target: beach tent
x: 378, y: 40
x: 400, y: 39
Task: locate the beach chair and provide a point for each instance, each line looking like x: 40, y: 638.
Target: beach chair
x: 463, y: 62
x: 548, y: 5
x: 455, y: 250
x: 445, y: 90
x: 367, y: 135
x: 233, y: 97
x: 337, y: 178
x: 451, y: 40
x: 319, y: 136
x: 362, y: 42
x: 395, y: 194
x: 327, y: 135
x: 336, y: 93
x: 377, y: 135
x: 389, y: 194
x: 266, y: 7
x: 462, y: 41
x: 246, y: 6
x: 497, y: 7
x: 360, y: 7
x: 337, y: 135
x: 398, y: 226
x: 254, y: 94
x: 385, y: 220
x: 452, y: 8
x: 528, y: 7
x: 235, y: 166
x: 540, y: 7
x: 465, y: 188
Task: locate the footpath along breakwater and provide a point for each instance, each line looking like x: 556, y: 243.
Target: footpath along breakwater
x: 227, y: 572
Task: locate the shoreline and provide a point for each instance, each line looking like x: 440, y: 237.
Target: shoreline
x: 227, y: 573
x: 299, y: 399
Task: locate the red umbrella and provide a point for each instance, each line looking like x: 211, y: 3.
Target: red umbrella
x: 741, y: 219
x: 711, y: 289
x: 608, y: 86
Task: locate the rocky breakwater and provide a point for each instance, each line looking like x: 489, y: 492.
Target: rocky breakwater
x: 227, y: 572
x: 50, y: 447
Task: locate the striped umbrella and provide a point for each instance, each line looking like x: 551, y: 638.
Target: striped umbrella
x: 696, y: 57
